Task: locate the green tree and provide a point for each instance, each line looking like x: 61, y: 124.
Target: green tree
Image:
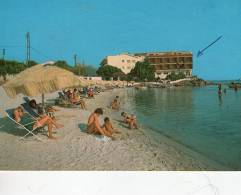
x: 79, y: 70
x: 174, y: 77
x: 108, y: 71
x: 64, y: 64
x: 90, y: 70
x: 11, y: 67
x: 142, y: 71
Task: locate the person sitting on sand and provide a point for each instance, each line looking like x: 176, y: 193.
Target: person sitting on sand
x: 90, y: 93
x: 108, y: 126
x: 130, y: 120
x: 42, y: 121
x: 75, y: 99
x: 94, y: 126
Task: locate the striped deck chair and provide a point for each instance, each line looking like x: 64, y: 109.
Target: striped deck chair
x: 26, y: 123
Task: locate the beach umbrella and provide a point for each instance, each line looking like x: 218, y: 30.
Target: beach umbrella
x: 40, y: 79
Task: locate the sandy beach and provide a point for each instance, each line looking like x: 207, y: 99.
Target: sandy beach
x: 77, y: 150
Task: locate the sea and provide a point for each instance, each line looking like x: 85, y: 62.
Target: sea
x: 195, y: 117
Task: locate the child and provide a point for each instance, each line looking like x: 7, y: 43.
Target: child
x: 108, y: 126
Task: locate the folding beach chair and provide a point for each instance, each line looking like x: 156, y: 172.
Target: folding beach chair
x: 30, y: 110
x: 62, y: 96
x: 27, y: 125
x: 26, y: 99
x: 34, y: 113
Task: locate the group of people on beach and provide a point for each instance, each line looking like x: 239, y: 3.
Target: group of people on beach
x: 94, y: 127
x: 74, y: 98
x: 45, y: 118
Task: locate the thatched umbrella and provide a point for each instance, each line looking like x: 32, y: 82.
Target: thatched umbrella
x: 40, y: 79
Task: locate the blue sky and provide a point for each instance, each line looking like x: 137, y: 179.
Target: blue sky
x: 93, y: 29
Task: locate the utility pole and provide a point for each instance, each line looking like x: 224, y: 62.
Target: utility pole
x: 27, y: 48
x: 75, y: 59
x: 4, y: 54
x: 83, y: 66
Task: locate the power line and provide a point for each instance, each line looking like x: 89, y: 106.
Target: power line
x: 5, y: 46
x: 39, y: 52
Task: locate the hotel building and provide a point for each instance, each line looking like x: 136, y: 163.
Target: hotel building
x: 125, y: 61
x: 169, y: 62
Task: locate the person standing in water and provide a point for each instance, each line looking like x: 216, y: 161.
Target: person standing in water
x: 219, y: 89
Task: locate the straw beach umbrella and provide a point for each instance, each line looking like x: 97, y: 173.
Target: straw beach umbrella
x: 40, y: 79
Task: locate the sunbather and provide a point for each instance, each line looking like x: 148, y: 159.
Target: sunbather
x: 130, y: 120
x: 94, y: 126
x: 75, y: 99
x: 18, y: 114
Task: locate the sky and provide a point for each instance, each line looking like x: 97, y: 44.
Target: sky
x: 93, y: 29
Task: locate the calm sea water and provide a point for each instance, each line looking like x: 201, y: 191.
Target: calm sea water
x: 196, y: 117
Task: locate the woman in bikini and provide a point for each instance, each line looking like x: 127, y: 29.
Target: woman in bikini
x: 40, y: 122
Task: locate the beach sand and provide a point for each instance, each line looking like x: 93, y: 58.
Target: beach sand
x: 76, y: 150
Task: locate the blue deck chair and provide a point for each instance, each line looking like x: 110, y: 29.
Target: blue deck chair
x: 32, y: 111
x: 26, y: 99
x: 26, y: 124
x: 62, y: 95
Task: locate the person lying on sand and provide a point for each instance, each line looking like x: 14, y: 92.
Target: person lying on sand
x: 108, y: 126
x: 42, y: 121
x: 94, y: 127
x: 75, y: 99
x: 130, y: 120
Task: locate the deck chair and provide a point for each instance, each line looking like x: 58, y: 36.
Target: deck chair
x: 62, y: 96
x: 26, y: 99
x: 32, y: 111
x: 27, y: 126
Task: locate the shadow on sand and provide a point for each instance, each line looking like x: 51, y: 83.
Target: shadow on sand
x: 7, y: 126
x: 83, y: 127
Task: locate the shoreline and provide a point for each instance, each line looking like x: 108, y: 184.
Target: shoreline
x: 209, y: 164
x: 76, y: 150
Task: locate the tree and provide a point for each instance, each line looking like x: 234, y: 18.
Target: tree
x: 142, y: 71
x: 90, y: 70
x: 108, y: 71
x: 11, y: 67
x: 174, y: 77
x: 63, y: 64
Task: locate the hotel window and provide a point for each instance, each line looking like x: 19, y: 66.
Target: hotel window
x: 128, y: 61
x: 123, y: 60
x: 123, y: 67
x: 133, y: 61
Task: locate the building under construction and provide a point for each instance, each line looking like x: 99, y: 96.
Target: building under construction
x: 170, y: 62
